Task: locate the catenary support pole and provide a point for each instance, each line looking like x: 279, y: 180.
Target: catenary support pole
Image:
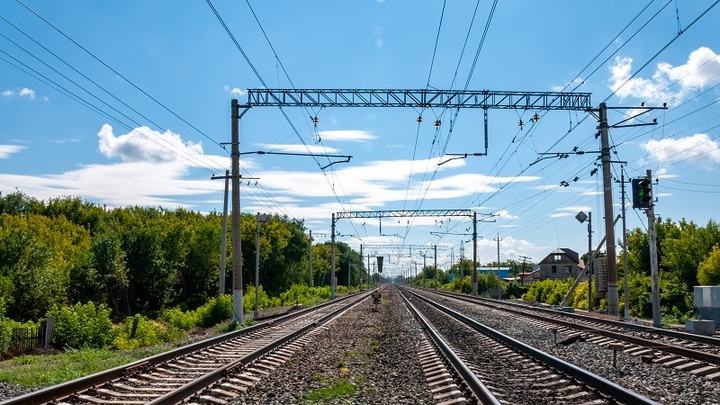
x: 498, y: 262
x: 657, y: 322
x: 332, y: 259
x: 239, y: 315
x: 626, y: 294
x: 474, y: 263
x: 589, y: 264
x: 310, y: 275
x: 612, y: 284
x: 223, y: 239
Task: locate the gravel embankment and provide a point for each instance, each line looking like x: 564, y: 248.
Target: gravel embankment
x: 656, y: 382
x: 373, y: 353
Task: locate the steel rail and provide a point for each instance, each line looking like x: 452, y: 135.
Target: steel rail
x: 187, y: 390
x: 473, y: 382
x: 681, y: 351
x: 601, y: 384
x: 65, y: 389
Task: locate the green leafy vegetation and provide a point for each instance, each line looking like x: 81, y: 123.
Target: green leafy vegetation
x: 338, y: 388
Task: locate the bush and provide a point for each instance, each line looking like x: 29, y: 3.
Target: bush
x: 6, y: 328
x: 217, y: 309
x: 263, y: 300
x: 147, y: 333
x: 81, y: 326
x: 176, y: 318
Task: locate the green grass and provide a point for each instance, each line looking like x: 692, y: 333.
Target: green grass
x: 35, y: 371
x: 41, y: 370
x: 340, y: 388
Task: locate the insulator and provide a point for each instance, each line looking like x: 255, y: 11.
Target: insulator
x: 419, y: 119
x: 437, y: 123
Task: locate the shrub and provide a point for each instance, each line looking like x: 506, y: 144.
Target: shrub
x: 6, y: 328
x: 147, y: 333
x: 179, y: 319
x: 81, y: 326
x: 216, y: 310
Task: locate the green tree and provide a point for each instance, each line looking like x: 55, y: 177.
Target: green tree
x: 709, y: 268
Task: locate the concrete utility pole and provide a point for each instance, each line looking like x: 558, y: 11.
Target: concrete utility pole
x: 332, y: 259
x: 310, y: 275
x: 609, y: 214
x: 498, y: 258
x: 626, y: 298
x: 474, y: 269
x: 436, y: 269
x: 239, y: 315
x: 657, y: 322
x: 462, y: 260
x: 223, y: 240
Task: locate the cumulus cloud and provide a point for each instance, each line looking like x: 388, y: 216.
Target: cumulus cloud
x: 698, y: 149
x: 297, y: 148
x: 671, y: 84
x: 347, y: 135
x: 145, y: 145
x: 235, y: 91
x: 7, y: 150
x: 505, y: 214
x: 24, y: 92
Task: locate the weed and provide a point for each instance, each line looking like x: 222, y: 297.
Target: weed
x: 339, y: 388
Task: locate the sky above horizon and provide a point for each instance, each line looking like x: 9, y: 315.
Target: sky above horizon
x: 128, y: 103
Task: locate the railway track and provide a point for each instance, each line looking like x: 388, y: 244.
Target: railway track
x: 213, y: 371
x: 492, y: 368
x: 696, y: 354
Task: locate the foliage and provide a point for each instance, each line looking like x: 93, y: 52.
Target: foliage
x: 6, y: 329
x: 147, y: 333
x: 216, y: 310
x: 263, y: 300
x: 709, y: 268
x: 337, y: 388
x: 81, y: 326
x: 179, y: 319
x: 549, y: 292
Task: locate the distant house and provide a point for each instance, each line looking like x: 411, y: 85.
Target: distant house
x: 504, y: 271
x: 560, y: 264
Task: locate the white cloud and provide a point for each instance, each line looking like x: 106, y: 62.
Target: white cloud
x: 671, y: 84
x: 347, y: 135
x: 699, y: 149
x: 314, y: 149
x: 7, y: 150
x: 504, y: 214
x: 8, y: 93
x: 25, y: 92
x: 145, y: 145
x: 235, y: 91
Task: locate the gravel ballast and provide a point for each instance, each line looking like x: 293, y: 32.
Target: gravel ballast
x: 372, y: 354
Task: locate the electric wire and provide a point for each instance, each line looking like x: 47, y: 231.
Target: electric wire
x: 119, y: 74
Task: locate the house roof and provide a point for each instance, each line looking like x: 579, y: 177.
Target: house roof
x: 567, y: 251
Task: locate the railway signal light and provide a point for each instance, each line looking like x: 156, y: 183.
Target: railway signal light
x: 642, y: 193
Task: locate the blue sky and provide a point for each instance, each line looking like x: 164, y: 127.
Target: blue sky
x: 128, y: 103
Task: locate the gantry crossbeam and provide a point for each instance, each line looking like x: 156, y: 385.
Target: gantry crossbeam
x: 404, y: 214
x: 487, y: 99
x: 391, y: 247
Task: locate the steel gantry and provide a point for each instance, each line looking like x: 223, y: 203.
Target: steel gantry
x: 487, y: 99
x: 404, y: 214
x: 428, y: 98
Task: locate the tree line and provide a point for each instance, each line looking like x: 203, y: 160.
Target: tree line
x: 141, y: 260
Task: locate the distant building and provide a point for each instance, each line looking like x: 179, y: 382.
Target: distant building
x: 560, y: 264
x: 504, y: 271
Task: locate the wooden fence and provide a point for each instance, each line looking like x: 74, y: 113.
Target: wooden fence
x: 23, y: 339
